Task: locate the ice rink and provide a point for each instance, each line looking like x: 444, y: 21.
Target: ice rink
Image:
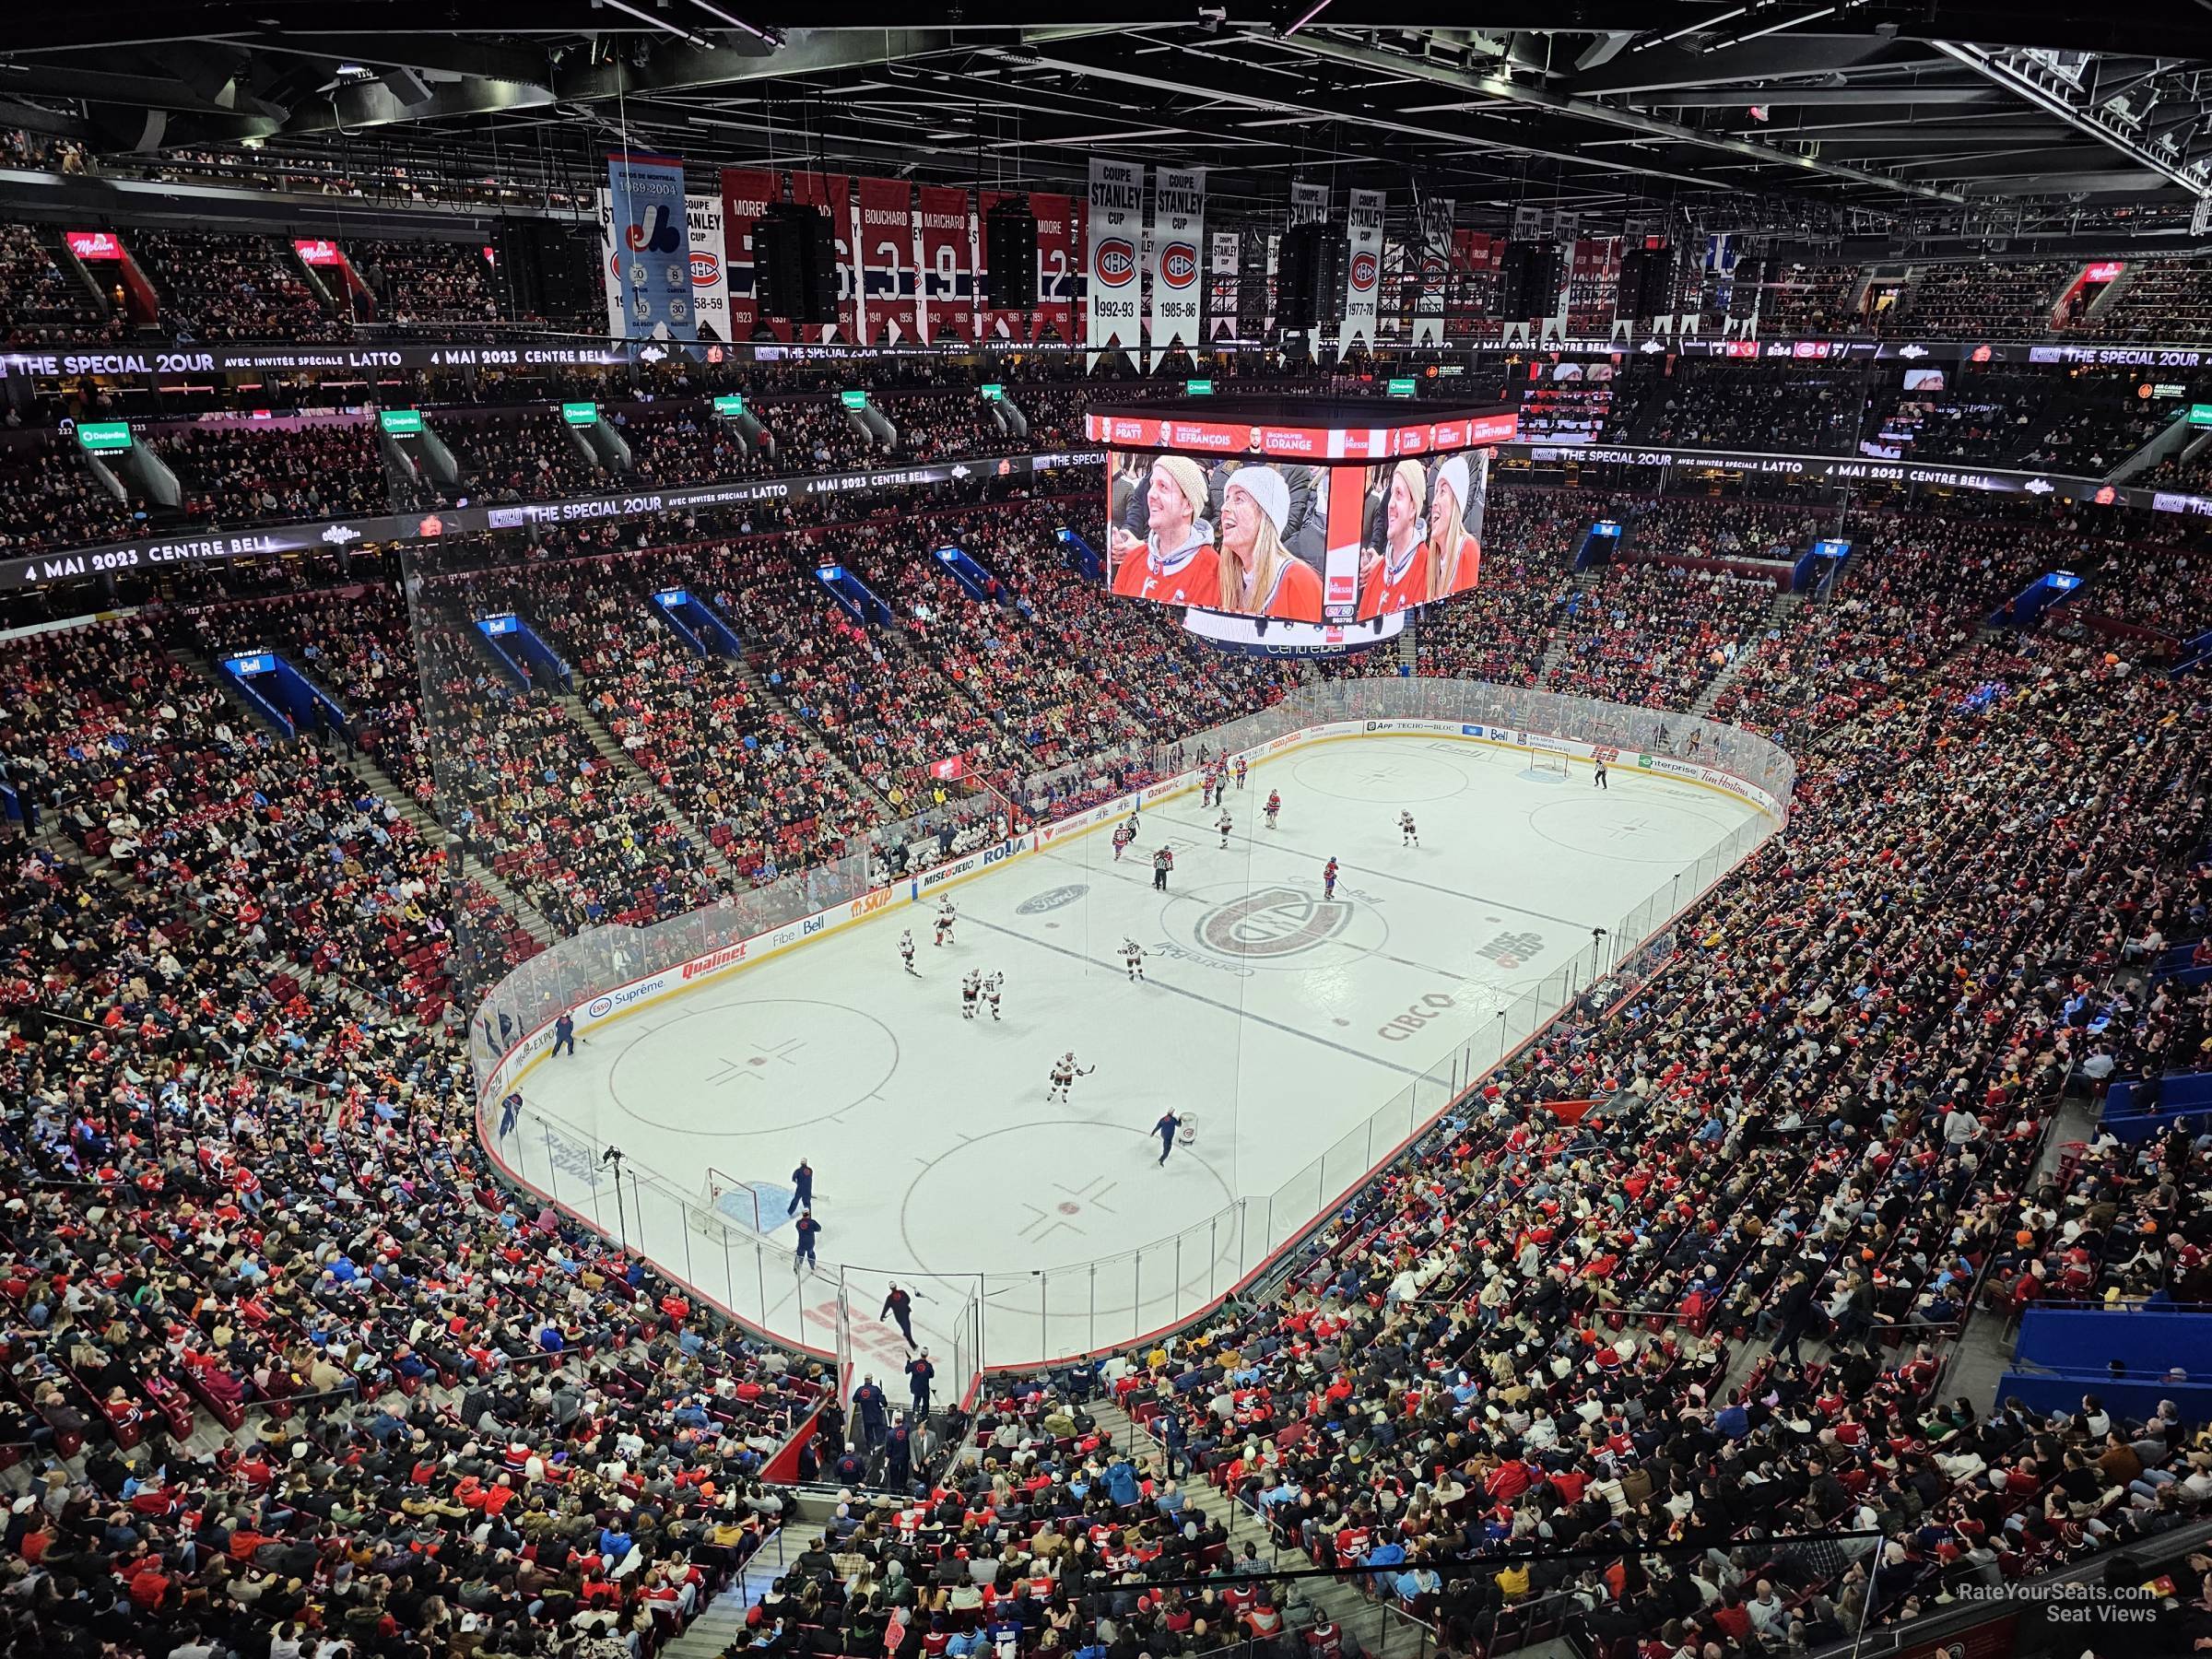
x: 1279, y: 1021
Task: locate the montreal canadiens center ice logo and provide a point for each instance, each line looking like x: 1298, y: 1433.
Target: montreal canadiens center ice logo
x: 1272, y: 922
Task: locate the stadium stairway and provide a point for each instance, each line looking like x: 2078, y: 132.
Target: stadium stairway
x: 769, y: 696
x: 1380, y: 1631
x: 1779, y: 610
x: 610, y: 751
x: 1555, y: 644
x: 435, y: 834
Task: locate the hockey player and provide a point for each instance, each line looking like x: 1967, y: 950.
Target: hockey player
x: 1274, y: 805
x: 992, y: 986
x: 1162, y: 862
x: 1133, y: 958
x: 1224, y: 826
x: 1123, y: 836
x: 906, y: 950
x: 970, y: 988
x: 947, y: 916
x: 1241, y: 769
x: 1408, y: 835
x: 1328, y: 879
x: 1065, y: 1072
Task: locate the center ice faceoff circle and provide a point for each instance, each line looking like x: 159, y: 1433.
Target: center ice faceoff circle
x: 755, y: 1067
x: 1278, y: 926
x: 1365, y: 772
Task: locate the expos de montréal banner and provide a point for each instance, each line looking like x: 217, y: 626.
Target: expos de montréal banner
x: 646, y: 202
x: 1177, y: 265
x: 704, y: 217
x: 1117, y: 205
x: 1364, y: 270
x: 889, y: 276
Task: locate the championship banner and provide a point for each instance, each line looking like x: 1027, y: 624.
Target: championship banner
x: 710, y: 278
x: 887, y: 255
x: 747, y: 193
x: 1010, y: 326
x: 646, y: 200
x: 1434, y: 271
x: 1364, y: 280
x: 833, y: 193
x: 1117, y: 205
x: 1308, y: 206
x: 1056, y: 245
x: 1256, y: 256
x: 1221, y: 286
x: 947, y: 277
x: 1177, y: 227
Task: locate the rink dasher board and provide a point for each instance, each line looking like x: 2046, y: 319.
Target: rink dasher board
x: 630, y: 998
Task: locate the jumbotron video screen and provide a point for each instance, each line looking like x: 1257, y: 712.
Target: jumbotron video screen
x: 1293, y: 522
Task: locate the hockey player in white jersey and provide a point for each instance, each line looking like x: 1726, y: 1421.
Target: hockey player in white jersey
x: 1065, y: 1072
x: 992, y: 987
x: 906, y: 950
x: 1133, y: 958
x: 1408, y: 835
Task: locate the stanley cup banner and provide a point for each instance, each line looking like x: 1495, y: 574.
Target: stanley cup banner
x: 887, y: 260
x: 1308, y: 206
x: 1434, y: 272
x: 645, y: 194
x: 1364, y: 279
x: 1221, y: 286
x: 1117, y: 205
x: 1178, y: 267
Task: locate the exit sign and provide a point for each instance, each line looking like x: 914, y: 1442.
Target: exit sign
x: 400, y: 423
x: 2200, y: 415
x: 730, y: 406
x: 1404, y: 388
x: 993, y: 393
x: 580, y: 414
x: 1204, y: 388
x: 853, y: 400
x: 103, y: 436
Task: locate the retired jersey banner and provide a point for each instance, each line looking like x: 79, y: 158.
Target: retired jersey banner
x: 1221, y: 273
x: 1363, y: 279
x: 1056, y: 245
x: 1178, y: 267
x: 947, y: 273
x: 747, y: 193
x: 1433, y: 271
x: 1117, y: 206
x: 832, y: 193
x: 710, y: 285
x: 996, y: 323
x: 887, y: 261
x: 646, y: 202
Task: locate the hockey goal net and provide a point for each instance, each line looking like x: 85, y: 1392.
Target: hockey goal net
x: 725, y: 1201
x: 1547, y: 761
